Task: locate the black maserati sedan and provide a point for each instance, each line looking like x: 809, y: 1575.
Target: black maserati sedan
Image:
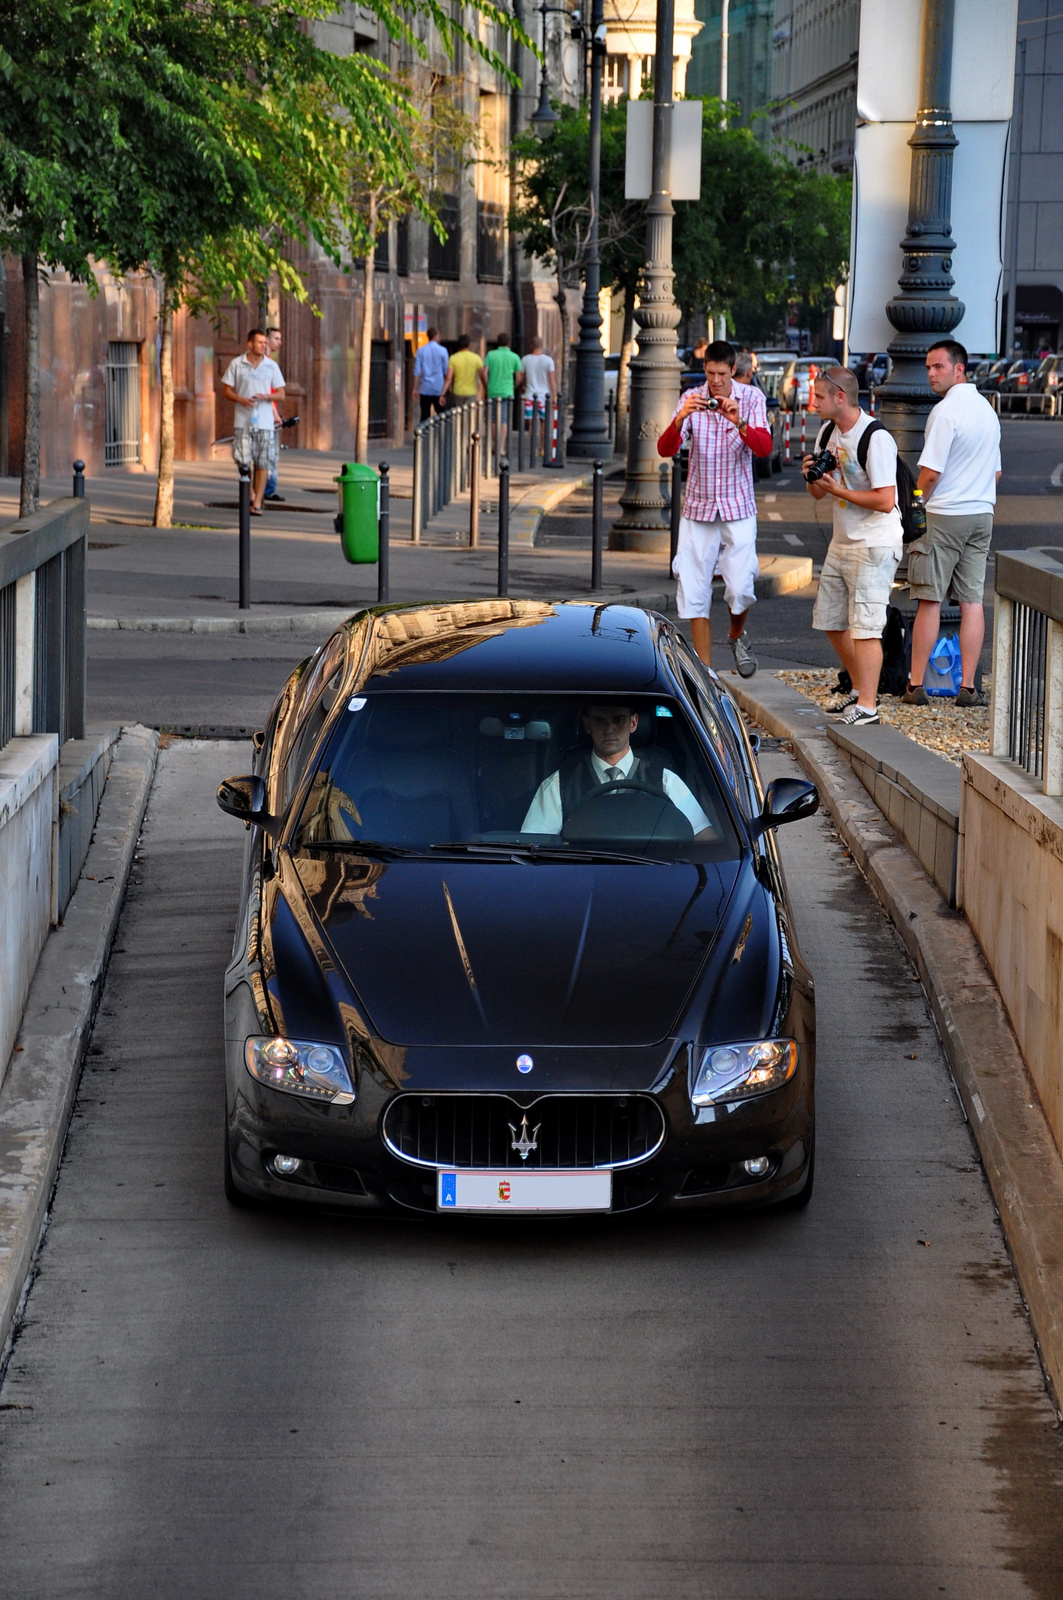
x: 514, y: 936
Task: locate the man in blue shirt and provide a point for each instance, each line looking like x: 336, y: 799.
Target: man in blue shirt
x: 429, y: 372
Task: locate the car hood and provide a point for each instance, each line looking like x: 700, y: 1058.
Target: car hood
x: 472, y: 954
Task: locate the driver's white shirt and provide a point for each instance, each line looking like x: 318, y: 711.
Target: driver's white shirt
x: 546, y: 816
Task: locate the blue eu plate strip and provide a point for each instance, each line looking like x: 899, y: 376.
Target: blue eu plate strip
x: 448, y: 1188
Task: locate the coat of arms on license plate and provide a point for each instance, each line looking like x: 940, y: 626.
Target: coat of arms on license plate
x: 503, y: 1189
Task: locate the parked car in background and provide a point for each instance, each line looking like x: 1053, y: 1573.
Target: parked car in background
x: 795, y: 385
x: 612, y: 374
x: 1019, y: 374
x: 993, y: 378
x: 1048, y: 379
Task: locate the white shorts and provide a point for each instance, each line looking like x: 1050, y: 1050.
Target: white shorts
x: 854, y: 589
x: 703, y: 546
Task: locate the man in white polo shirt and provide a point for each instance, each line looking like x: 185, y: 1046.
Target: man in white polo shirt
x: 958, y: 473
x: 252, y: 382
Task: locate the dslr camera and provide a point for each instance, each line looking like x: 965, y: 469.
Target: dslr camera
x: 820, y: 465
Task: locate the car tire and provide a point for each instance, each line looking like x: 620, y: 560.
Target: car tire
x: 236, y: 1197
x: 763, y: 467
x: 798, y: 1201
x: 776, y: 462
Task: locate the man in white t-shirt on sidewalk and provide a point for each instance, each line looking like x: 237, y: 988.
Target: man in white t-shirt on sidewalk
x: 867, y: 542
x: 539, y: 379
x: 958, y: 473
x: 252, y: 382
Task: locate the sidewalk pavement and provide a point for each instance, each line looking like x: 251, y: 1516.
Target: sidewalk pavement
x: 1019, y: 1156
x: 186, y: 576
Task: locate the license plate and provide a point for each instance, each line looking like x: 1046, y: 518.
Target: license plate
x: 525, y: 1191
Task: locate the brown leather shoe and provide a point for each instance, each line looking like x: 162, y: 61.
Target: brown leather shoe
x: 915, y: 695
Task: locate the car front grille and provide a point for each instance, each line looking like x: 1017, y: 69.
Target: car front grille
x: 491, y: 1130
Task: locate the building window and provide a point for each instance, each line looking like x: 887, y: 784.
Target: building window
x: 382, y: 255
x: 379, y: 369
x: 402, y: 247
x: 490, y: 241
x: 122, y: 407
x: 614, y: 79
x: 444, y: 256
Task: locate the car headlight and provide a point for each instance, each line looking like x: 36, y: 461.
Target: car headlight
x: 739, y: 1071
x: 300, y: 1066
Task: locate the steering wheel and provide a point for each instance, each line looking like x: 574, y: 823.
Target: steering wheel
x: 628, y: 809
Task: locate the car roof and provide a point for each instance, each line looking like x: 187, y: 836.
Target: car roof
x: 510, y: 645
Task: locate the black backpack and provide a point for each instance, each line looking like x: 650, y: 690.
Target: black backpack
x: 905, y: 481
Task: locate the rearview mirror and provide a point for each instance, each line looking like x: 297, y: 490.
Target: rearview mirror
x: 786, y: 800
x: 245, y: 799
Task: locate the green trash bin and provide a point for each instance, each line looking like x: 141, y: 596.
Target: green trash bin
x: 358, y: 523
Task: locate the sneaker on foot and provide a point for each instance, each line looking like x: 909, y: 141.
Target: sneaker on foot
x: 745, y: 660
x: 970, y: 697
x: 843, y: 702
x: 857, y: 717
x: 915, y: 695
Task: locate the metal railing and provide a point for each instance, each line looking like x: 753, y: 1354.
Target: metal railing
x: 42, y: 621
x: 443, y: 454
x: 1027, y: 694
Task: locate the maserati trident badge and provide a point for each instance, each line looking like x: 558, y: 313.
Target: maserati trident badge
x: 527, y: 1140
x: 524, y: 1063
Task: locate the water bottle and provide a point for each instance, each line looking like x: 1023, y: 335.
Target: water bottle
x: 918, y: 518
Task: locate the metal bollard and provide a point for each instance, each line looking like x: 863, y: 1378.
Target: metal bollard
x: 419, y: 487
x: 79, y: 480
x: 503, y: 526
x: 245, y: 538
x: 596, y: 527
x: 677, y: 506
x: 383, y: 535
x: 474, y: 491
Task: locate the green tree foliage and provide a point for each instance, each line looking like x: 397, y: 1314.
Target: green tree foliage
x: 764, y: 236
x: 203, y: 140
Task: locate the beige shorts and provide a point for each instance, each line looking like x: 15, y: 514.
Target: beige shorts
x: 255, y: 447
x: 953, y: 551
x: 854, y: 589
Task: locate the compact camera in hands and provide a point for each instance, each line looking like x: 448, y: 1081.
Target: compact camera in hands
x: 708, y: 403
x: 820, y: 465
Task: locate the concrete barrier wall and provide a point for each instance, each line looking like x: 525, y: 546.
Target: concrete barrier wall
x: 1012, y: 869
x: 28, y: 815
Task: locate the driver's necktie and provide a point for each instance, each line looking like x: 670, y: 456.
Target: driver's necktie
x: 613, y: 775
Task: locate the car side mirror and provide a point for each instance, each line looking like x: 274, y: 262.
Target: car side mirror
x: 245, y: 799
x: 786, y: 800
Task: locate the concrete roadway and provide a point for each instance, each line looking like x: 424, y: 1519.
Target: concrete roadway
x: 839, y: 1405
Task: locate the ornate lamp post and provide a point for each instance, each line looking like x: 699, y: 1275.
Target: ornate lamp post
x: 644, y: 521
x: 590, y: 436
x: 926, y: 309
x: 544, y: 116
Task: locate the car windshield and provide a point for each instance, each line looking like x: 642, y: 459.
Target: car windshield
x: 517, y: 773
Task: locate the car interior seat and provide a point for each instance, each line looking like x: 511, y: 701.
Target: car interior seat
x: 409, y: 782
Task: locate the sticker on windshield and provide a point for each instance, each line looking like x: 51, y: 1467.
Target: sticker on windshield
x: 357, y: 703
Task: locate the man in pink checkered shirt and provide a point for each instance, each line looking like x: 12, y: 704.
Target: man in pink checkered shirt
x: 726, y: 425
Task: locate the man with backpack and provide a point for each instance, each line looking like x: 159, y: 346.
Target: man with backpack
x: 856, y: 463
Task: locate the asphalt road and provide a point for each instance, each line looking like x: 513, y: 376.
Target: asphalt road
x: 843, y: 1404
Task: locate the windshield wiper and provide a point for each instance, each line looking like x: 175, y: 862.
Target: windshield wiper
x: 364, y: 847
x: 548, y: 852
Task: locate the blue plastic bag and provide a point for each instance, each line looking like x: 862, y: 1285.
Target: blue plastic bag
x: 944, y: 673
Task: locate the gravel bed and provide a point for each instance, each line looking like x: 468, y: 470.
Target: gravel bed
x: 940, y: 726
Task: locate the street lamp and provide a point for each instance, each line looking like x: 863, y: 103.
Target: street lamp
x: 544, y: 116
x: 644, y: 523
x: 926, y: 310
x: 590, y: 435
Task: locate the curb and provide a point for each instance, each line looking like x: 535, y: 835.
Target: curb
x: 1020, y: 1159
x: 38, y: 1092
x: 526, y: 517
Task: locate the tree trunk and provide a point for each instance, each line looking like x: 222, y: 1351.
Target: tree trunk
x: 562, y: 365
x: 164, y: 490
x: 623, y: 376
x: 30, y: 491
x: 365, y: 354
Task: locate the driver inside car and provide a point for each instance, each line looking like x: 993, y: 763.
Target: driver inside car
x: 609, y: 760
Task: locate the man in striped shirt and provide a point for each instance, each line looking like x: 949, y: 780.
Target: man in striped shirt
x: 726, y: 425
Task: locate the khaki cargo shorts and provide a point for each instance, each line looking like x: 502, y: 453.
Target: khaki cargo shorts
x: 854, y: 589
x: 953, y: 551
x: 255, y: 447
